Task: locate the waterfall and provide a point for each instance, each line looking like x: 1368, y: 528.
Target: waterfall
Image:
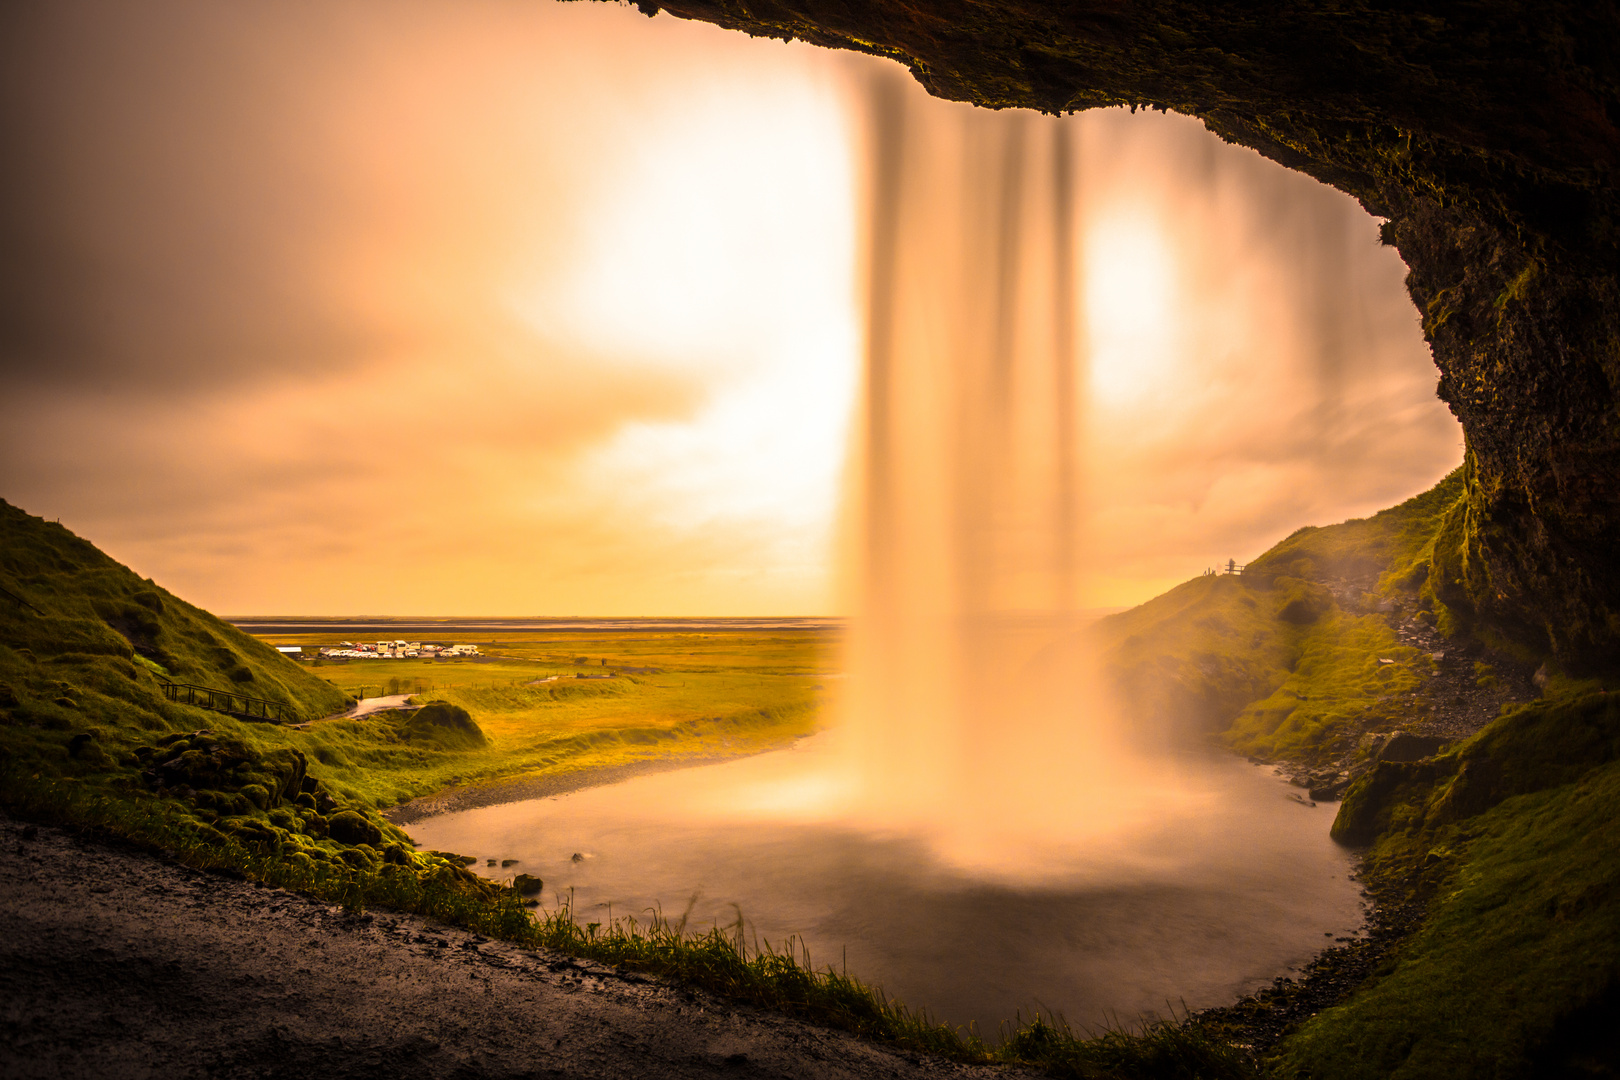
x: 1091, y: 341
x: 971, y: 704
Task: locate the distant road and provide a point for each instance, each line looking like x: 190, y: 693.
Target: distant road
x: 399, y: 625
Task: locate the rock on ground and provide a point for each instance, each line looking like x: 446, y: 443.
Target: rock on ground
x: 116, y: 964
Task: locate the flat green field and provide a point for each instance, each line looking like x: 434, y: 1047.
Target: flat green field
x: 562, y: 702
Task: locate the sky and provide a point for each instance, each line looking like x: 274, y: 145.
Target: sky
x: 516, y: 307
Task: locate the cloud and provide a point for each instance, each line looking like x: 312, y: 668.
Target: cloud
x: 517, y: 308
x: 373, y: 306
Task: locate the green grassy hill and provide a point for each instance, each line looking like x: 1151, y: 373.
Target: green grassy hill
x: 88, y: 738
x: 1509, y: 839
x: 82, y: 635
x: 1286, y: 660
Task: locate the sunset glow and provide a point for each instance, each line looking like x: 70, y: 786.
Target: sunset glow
x: 553, y: 308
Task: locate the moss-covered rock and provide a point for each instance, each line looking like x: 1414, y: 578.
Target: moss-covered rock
x: 203, y: 761
x: 350, y: 827
x: 1513, y: 841
x: 1535, y: 747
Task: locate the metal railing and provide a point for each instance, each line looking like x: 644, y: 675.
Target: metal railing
x: 19, y: 601
x: 229, y: 702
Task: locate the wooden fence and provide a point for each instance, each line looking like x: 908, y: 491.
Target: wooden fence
x: 230, y: 703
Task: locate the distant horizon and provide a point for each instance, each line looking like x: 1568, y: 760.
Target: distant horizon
x: 314, y: 623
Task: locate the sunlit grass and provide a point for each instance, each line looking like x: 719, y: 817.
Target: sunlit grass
x: 708, y: 696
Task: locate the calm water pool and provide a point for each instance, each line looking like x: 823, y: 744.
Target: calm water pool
x: 1214, y: 899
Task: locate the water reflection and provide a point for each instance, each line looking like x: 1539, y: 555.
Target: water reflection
x: 1192, y: 908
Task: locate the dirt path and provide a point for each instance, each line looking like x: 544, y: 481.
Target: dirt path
x: 117, y: 964
x: 362, y: 708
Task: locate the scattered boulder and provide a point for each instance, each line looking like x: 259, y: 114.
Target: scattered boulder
x: 508, y: 862
x: 1407, y: 747
x: 577, y: 857
x: 1328, y: 789
x: 527, y: 885
x: 348, y: 827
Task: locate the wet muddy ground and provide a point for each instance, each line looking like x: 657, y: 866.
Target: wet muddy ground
x: 115, y: 963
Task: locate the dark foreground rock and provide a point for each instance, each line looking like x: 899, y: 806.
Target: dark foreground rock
x: 117, y: 964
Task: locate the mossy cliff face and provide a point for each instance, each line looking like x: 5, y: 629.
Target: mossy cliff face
x: 1489, y: 135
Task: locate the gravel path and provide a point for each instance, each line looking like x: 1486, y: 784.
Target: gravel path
x: 117, y: 964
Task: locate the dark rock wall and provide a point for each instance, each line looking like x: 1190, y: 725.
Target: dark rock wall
x: 1489, y: 135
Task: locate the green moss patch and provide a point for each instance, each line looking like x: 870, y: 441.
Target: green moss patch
x: 1515, y: 970
x: 1340, y: 681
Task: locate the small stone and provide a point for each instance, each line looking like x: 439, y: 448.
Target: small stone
x: 508, y: 862
x: 577, y: 857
